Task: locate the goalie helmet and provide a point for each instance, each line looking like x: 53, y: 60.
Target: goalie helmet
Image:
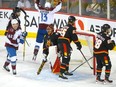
x: 50, y: 29
x: 16, y: 9
x: 105, y: 27
x: 47, y: 5
x: 71, y: 19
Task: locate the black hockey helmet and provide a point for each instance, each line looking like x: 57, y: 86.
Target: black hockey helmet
x: 16, y: 9
x: 71, y: 19
x: 105, y: 27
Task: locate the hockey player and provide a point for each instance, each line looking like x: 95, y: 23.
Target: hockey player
x: 103, y: 44
x: 14, y: 36
x: 14, y: 15
x: 49, y: 40
x: 46, y: 18
x: 68, y: 34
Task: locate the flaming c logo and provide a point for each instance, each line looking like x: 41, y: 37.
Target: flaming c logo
x: 80, y: 24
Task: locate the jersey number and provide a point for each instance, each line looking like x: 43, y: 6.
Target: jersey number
x: 10, y: 36
x: 98, y: 43
x: 44, y: 17
x: 63, y: 31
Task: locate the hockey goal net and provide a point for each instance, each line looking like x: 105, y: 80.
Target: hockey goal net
x: 87, y: 40
x: 77, y: 58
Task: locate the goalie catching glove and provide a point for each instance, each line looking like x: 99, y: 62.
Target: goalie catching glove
x: 79, y: 46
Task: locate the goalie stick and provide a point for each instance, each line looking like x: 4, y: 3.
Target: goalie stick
x: 81, y: 64
x: 42, y: 65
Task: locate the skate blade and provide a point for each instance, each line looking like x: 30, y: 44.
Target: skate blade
x: 34, y: 58
x: 100, y: 82
x: 65, y: 80
x: 106, y: 82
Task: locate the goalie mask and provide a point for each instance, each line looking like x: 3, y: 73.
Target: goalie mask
x: 50, y: 29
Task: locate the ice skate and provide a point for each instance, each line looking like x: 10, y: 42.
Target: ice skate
x: 6, y: 68
x: 34, y: 57
x: 98, y: 79
x: 68, y: 73
x: 62, y: 77
x: 108, y: 81
x: 14, y: 72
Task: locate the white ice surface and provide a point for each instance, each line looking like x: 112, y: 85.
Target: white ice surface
x: 27, y: 77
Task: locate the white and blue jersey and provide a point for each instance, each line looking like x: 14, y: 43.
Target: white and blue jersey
x: 13, y: 38
x: 46, y: 15
x: 46, y: 18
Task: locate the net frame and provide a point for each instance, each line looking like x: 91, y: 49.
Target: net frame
x: 86, y: 34
x: 93, y: 35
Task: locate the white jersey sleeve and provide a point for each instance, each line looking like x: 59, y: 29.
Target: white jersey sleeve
x: 57, y: 8
x: 36, y: 7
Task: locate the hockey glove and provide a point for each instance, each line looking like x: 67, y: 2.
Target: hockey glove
x: 79, y: 46
x: 113, y: 42
x: 24, y: 34
x: 111, y: 45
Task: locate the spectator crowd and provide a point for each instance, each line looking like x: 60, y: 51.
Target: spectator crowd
x: 96, y: 8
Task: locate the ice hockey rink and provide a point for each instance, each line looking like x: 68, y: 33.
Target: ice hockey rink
x: 27, y: 77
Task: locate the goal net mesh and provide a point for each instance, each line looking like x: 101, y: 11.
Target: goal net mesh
x: 87, y: 41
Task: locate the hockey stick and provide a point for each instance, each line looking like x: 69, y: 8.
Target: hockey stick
x: 24, y: 40
x: 85, y: 59
x: 27, y: 42
x: 81, y: 64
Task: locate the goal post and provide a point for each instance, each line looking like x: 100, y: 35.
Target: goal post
x: 87, y: 40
